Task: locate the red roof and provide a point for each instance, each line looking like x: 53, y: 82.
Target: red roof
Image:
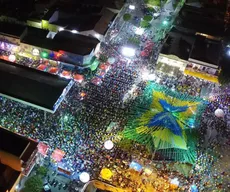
x: 43, y: 148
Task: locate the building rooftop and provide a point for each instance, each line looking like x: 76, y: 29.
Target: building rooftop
x: 8, y: 180
x: 206, y: 50
x: 79, y: 23
x: 75, y: 43
x: 11, y: 29
x: 178, y: 44
x: 24, y: 149
x: 97, y: 20
x: 32, y: 31
x: 30, y: 86
x: 64, y: 40
x: 17, y: 145
x: 201, y: 20
x: 9, y: 147
x: 103, y: 24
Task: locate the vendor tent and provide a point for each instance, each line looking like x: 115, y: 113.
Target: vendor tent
x: 58, y: 155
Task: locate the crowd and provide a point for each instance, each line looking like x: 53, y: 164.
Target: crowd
x: 79, y: 125
x: 186, y: 84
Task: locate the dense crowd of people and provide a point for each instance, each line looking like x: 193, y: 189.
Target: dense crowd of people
x: 79, y: 126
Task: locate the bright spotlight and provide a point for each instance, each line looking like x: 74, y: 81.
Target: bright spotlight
x: 139, y: 31
x: 84, y: 177
x: 132, y: 7
x: 12, y: 58
x: 17, y: 187
x: 108, y: 144
x: 74, y: 31
x: 165, y: 22
x: 35, y: 52
x: 228, y: 52
x: 151, y: 77
x: 128, y: 52
x: 61, y: 29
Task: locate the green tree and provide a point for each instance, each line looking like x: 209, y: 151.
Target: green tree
x: 42, y: 171
x: 151, y: 9
x: 103, y: 58
x: 127, y: 17
x: 33, y: 184
x: 147, y: 18
x: 145, y: 24
x: 134, y: 41
x: 153, y: 2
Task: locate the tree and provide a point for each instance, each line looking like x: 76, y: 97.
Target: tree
x: 42, y: 171
x: 151, y: 9
x: 153, y: 2
x: 127, y: 17
x: 103, y: 58
x: 145, y: 24
x: 33, y: 184
x: 134, y: 41
x: 147, y: 18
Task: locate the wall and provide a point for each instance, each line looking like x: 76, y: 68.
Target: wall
x: 73, y: 58
x: 172, y: 61
x: 45, y: 24
x: 53, y: 27
x: 10, y: 160
x: 54, y: 17
x: 13, y: 189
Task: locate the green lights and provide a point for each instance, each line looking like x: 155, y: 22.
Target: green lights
x: 44, y: 54
x: 65, y: 118
x: 165, y: 22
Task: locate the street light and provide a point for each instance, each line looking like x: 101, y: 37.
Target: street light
x: 61, y: 29
x: 108, y: 144
x: 132, y: 7
x: 12, y: 58
x: 228, y: 52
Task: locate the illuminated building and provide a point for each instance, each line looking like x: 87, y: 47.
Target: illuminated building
x: 15, y: 162
x: 192, y: 54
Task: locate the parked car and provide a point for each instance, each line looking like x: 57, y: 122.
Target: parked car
x: 46, y: 187
x: 156, y: 15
